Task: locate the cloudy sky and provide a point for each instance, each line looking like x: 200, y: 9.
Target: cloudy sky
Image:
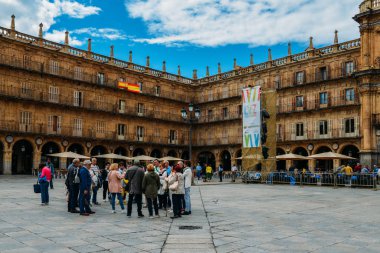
x: 190, y: 33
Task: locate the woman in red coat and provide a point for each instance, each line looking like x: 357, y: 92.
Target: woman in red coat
x: 44, y: 179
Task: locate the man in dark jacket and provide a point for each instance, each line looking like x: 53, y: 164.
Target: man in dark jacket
x: 135, y: 176
x: 72, y: 185
x: 84, y: 189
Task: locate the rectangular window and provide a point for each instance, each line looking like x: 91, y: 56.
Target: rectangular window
x: 26, y: 90
x: 299, y: 129
x: 100, y: 104
x: 172, y: 135
x: 277, y: 82
x: 349, y: 126
x: 101, y: 78
x: 323, y: 73
x: 78, y: 73
x: 53, y: 94
x: 349, y: 67
x: 54, y: 67
x: 157, y: 132
x: 121, y: 106
x: 141, y: 86
x: 140, y: 133
x: 323, y: 98
x: 100, y: 127
x: 25, y: 121
x: 121, y: 129
x: 78, y: 98
x: 140, y: 109
x: 27, y: 61
x: 300, y: 77
x: 299, y: 101
x: 77, y: 130
x: 209, y: 114
x: 350, y: 95
x: 225, y: 92
x: 157, y: 90
x: 323, y: 127
x: 210, y: 95
x: 225, y: 112
x: 54, y: 124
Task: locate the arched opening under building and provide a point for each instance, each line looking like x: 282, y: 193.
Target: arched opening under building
x: 120, y: 151
x: 323, y: 165
x: 353, y: 151
x: 185, y: 156
x: 238, y: 161
x: 281, y: 164
x: 300, y: 164
x: 1, y: 158
x: 206, y: 157
x: 225, y: 158
x: 156, y: 153
x: 138, y: 151
x: 76, y: 148
x: 22, y: 157
x: 172, y: 153
x: 50, y: 148
x: 99, y: 150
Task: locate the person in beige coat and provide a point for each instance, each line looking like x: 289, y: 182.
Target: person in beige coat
x: 177, y: 186
x: 114, y: 186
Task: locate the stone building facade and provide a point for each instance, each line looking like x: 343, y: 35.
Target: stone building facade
x: 54, y: 98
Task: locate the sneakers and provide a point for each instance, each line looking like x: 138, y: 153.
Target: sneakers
x: 186, y: 213
x: 151, y: 217
x: 157, y: 216
x: 113, y: 211
x: 123, y: 211
x: 129, y: 216
x: 141, y: 216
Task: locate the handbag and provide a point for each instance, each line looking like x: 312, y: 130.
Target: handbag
x: 37, y: 187
x: 76, y: 178
x: 174, y: 186
x: 128, y: 185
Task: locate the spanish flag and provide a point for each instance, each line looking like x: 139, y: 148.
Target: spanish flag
x: 131, y: 87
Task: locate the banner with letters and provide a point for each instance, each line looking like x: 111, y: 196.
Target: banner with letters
x: 251, y: 117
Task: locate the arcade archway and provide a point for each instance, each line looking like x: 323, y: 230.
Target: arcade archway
x: 206, y: 157
x: 156, y: 153
x: 323, y: 165
x: 301, y: 164
x: 185, y: 155
x: 76, y: 148
x: 225, y: 158
x: 99, y: 150
x: 22, y: 157
x: 138, y: 151
x: 353, y: 151
x: 281, y: 164
x: 172, y: 153
x: 50, y: 148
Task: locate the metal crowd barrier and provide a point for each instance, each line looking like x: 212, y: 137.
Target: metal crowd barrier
x: 368, y: 180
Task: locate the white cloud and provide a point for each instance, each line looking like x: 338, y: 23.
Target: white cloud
x: 253, y: 22
x: 29, y: 13
x: 105, y: 33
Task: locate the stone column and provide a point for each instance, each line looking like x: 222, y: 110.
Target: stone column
x: 62, y: 163
x: 36, y: 158
x: 312, y: 164
x: 7, y: 162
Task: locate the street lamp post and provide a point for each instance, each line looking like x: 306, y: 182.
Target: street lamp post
x: 191, y: 117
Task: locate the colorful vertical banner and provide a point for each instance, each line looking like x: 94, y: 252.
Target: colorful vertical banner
x: 251, y: 117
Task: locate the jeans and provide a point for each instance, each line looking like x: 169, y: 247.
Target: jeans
x: 44, y: 192
x: 199, y: 174
x: 233, y: 176
x: 73, y: 197
x: 113, y: 196
x: 176, y: 204
x: 183, y: 204
x: 138, y: 199
x: 105, y: 189
x: 94, y: 194
x: 84, y: 202
x: 150, y: 208
x: 163, y: 200
x: 187, y: 199
x: 220, y: 176
x: 51, y: 182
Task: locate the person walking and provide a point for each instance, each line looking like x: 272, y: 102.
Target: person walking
x: 104, y: 175
x: 44, y: 179
x: 163, y: 191
x: 96, y: 182
x: 114, y: 185
x: 208, y: 172
x: 187, y: 175
x: 199, y: 171
x: 176, y: 185
x: 220, y: 172
x: 234, y: 171
x: 168, y: 172
x: 150, y: 187
x: 50, y: 165
x: 135, y: 177
x: 72, y: 184
x: 84, y: 189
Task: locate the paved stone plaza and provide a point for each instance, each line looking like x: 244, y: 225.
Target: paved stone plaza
x: 233, y: 218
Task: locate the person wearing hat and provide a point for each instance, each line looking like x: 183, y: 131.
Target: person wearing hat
x: 135, y: 176
x: 84, y: 189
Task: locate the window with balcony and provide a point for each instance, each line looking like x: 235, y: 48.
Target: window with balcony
x: 54, y: 124
x: 100, y: 103
x: 349, y: 126
x: 300, y: 77
x: 100, y: 127
x: 78, y: 127
x: 350, y: 95
x: 210, y: 95
x: 25, y: 121
x: 78, y: 98
x: 121, y: 106
x: 225, y: 112
x: 53, y: 94
x: 78, y: 73
x: 323, y: 99
x: 157, y: 134
x: 157, y: 90
x: 54, y: 67
x: 277, y: 82
x: 140, y: 109
x: 27, y: 61
x: 101, y: 78
x: 121, y: 130
x: 141, y: 86
x: 299, y: 129
x: 323, y: 127
x: 26, y: 90
x: 349, y: 68
x: 322, y: 74
x: 173, y: 136
x: 210, y: 114
x: 299, y: 101
x: 140, y: 133
x: 225, y: 91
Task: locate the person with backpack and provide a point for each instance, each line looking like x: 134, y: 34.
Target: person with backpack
x: 72, y: 184
x: 135, y: 176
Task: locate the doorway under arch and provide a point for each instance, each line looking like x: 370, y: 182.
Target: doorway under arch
x: 22, y: 157
x: 185, y: 155
x: 301, y: 164
x: 50, y: 148
x: 1, y: 158
x: 225, y: 158
x: 281, y: 164
x: 353, y: 151
x: 323, y: 165
x: 138, y: 151
x: 120, y: 151
x: 156, y: 153
x: 206, y: 157
x: 76, y: 148
x: 99, y: 150
x: 172, y: 153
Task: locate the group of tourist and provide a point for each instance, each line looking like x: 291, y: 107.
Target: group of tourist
x: 163, y: 186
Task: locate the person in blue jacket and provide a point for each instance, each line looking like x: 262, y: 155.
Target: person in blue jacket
x: 84, y: 189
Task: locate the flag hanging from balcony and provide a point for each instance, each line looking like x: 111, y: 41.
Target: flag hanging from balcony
x: 131, y: 87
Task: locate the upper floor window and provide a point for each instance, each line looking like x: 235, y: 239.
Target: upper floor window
x: 121, y: 106
x: 100, y: 78
x: 121, y: 129
x: 100, y: 127
x: 277, y: 82
x: 78, y: 98
x: 141, y: 86
x: 323, y: 127
x: 172, y: 135
x: 209, y: 114
x: 225, y: 112
x: 140, y: 108
x: 157, y: 90
x: 54, y: 94
x: 54, y: 123
x: 323, y: 73
x: 210, y: 95
x: 78, y: 73
x: 240, y: 110
x: 54, y: 67
x: 349, y: 125
x: 350, y: 95
x: 26, y: 89
x: 25, y: 121
x: 299, y: 129
x: 225, y: 91
x: 323, y: 99
x: 300, y: 77
x: 27, y: 60
x: 349, y: 67
x: 77, y: 129
x: 299, y: 101
x: 140, y: 132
